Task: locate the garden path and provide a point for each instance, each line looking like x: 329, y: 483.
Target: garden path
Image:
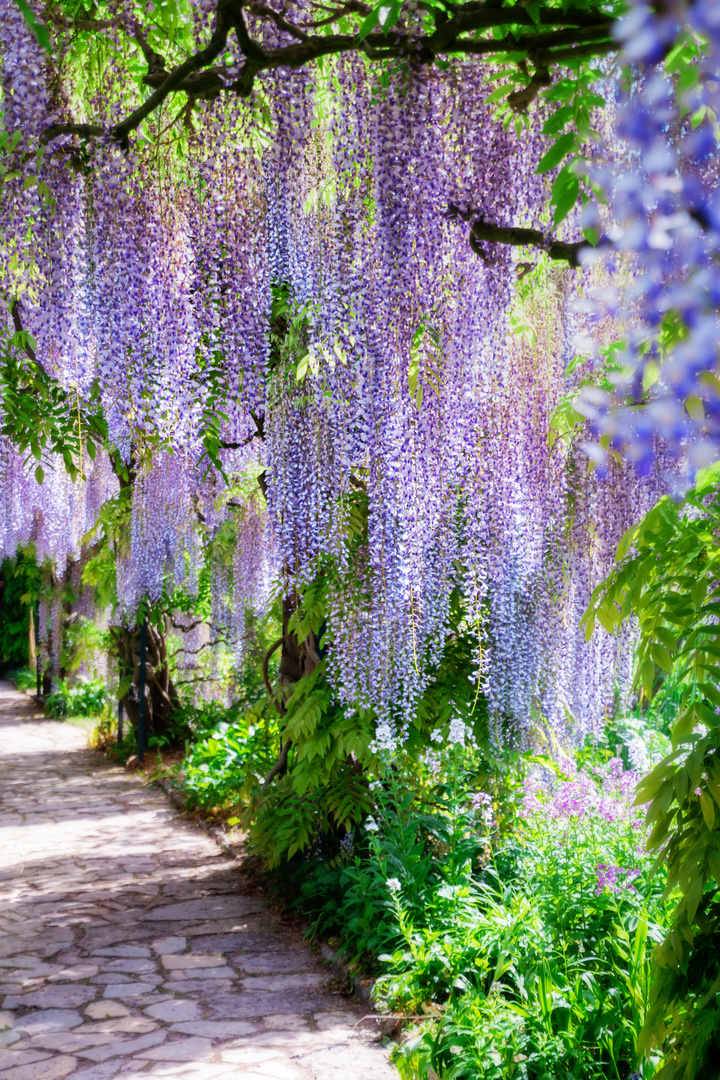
x: 127, y: 946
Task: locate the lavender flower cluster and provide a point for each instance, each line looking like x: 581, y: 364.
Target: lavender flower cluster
x: 155, y: 275
x: 592, y: 809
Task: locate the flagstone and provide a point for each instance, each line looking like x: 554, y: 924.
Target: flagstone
x: 53, y: 997
x: 47, y: 1021
x: 14, y: 1058
x: 124, y: 1047
x: 192, y: 960
x: 133, y: 965
x: 122, y: 951
x: 123, y: 932
x: 215, y: 1029
x: 138, y: 1024
x: 169, y: 945
x: 286, y: 982
x: 190, y: 1049
x: 179, y: 1009
x: 128, y: 990
x: 41, y: 1070
x: 231, y: 906
x: 99, y: 1010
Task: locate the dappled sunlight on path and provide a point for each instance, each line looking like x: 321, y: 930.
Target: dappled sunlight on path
x: 127, y: 946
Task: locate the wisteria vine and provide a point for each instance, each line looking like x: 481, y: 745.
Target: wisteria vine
x: 292, y: 285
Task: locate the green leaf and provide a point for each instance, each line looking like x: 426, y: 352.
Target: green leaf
x: 560, y: 148
x: 388, y: 15
x: 500, y: 93
x: 564, y: 194
x: 661, y: 656
x: 647, y: 676
x: 708, y: 809
x: 605, y: 617
x: 683, y: 727
x: 558, y: 120
x: 687, y: 79
x: 369, y: 24
x: 39, y: 474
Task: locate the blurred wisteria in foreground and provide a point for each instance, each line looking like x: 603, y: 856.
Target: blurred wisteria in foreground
x: 292, y: 278
x: 664, y: 225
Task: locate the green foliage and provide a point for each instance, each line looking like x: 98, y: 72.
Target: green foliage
x: 40, y: 417
x: 419, y: 832
x: 233, y: 750
x: 523, y: 938
x: 24, y: 678
x: 538, y: 965
x: 325, y: 788
x: 15, y: 611
x: 84, y: 699
x: 668, y: 578
x: 333, y: 755
x: 83, y: 644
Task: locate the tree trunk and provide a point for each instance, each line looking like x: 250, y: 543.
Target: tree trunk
x: 297, y: 659
x: 161, y: 697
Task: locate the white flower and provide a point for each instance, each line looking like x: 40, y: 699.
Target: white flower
x: 371, y: 825
x: 638, y: 754
x: 457, y: 732
x: 393, y: 884
x: 385, y: 737
x: 432, y: 761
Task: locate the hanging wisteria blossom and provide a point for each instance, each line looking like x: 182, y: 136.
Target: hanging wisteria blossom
x: 291, y: 284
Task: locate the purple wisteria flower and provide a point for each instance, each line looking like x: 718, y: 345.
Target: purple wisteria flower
x: 615, y: 879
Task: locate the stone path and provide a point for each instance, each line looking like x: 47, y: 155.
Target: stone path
x: 127, y: 947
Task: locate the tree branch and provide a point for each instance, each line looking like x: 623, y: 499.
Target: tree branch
x: 353, y: 7
x: 483, y: 232
x: 194, y: 652
x: 27, y: 347
x: 533, y: 42
x: 280, y: 766
x: 186, y: 629
x: 259, y: 433
x: 266, y: 677
x: 277, y: 18
x: 586, y: 32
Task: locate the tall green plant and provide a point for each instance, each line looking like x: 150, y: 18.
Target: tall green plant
x: 668, y: 578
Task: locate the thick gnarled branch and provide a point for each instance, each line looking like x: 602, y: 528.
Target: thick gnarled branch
x: 578, y: 32
x: 516, y: 237
x: 482, y: 231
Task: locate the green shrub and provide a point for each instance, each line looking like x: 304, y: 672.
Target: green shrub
x: 234, y: 751
x: 83, y: 699
x: 541, y: 963
x: 24, y: 678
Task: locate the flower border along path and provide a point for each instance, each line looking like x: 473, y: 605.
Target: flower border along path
x: 127, y: 946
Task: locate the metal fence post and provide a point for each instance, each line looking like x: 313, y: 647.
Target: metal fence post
x: 141, y: 703
x: 38, y: 672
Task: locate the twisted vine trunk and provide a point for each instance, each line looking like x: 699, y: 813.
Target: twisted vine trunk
x: 161, y: 697
x: 298, y: 659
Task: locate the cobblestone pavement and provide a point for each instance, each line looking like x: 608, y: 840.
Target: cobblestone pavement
x: 127, y: 947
